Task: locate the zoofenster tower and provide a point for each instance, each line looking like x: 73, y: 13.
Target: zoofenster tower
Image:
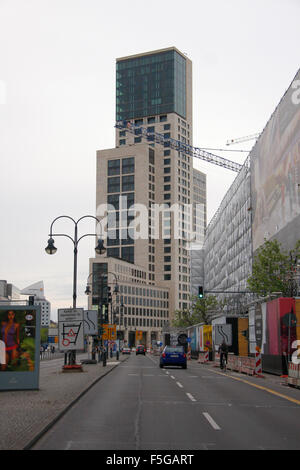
x: 154, y: 91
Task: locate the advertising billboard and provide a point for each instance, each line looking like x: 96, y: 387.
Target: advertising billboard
x: 19, y: 347
x: 275, y: 169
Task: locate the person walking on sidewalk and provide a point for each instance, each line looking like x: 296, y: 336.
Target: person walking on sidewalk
x: 223, y: 351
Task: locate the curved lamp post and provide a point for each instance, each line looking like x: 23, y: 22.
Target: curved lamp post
x: 51, y: 249
x: 116, y: 288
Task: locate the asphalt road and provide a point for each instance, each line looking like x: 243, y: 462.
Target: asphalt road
x: 139, y: 406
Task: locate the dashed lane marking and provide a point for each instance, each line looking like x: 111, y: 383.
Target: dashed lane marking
x: 211, y: 422
x: 191, y: 397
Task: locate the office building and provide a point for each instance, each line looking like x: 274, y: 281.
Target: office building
x: 153, y: 93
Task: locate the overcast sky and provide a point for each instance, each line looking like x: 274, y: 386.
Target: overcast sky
x: 57, y: 107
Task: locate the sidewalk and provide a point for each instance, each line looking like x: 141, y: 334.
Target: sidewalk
x: 27, y: 414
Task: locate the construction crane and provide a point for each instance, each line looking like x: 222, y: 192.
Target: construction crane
x: 242, y: 139
x: 195, y: 152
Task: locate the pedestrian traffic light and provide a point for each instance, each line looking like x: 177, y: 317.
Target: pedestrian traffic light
x: 200, y: 292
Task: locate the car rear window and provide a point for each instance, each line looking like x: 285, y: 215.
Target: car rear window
x: 178, y: 349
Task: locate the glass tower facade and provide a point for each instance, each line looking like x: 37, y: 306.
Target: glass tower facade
x: 150, y: 85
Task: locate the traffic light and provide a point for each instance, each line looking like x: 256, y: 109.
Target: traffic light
x: 105, y: 313
x: 109, y: 298
x: 200, y: 292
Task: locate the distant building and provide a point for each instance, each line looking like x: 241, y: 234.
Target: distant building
x: 37, y: 291
x: 8, y: 292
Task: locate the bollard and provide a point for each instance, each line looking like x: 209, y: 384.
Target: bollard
x: 117, y: 355
x: 104, y: 358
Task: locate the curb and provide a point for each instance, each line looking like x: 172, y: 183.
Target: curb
x: 64, y: 411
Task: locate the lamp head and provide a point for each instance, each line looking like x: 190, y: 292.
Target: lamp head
x: 87, y: 290
x: 116, y: 289
x: 100, y: 248
x: 50, y: 248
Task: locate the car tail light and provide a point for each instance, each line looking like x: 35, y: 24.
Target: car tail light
x: 164, y: 355
x: 184, y: 356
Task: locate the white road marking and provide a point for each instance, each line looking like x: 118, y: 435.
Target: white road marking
x: 191, y: 397
x: 211, y: 422
x: 179, y: 384
x: 134, y: 374
x: 172, y: 377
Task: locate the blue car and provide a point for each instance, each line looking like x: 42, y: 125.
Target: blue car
x: 173, y: 356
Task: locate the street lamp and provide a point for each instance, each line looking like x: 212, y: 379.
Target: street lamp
x: 51, y: 249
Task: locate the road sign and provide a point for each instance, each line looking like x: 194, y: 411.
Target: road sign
x: 109, y: 332
x: 138, y: 335
x: 90, y: 322
x: 223, y: 333
x: 70, y: 329
x: 182, y: 339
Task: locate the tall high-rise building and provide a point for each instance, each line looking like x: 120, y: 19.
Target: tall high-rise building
x: 154, y: 92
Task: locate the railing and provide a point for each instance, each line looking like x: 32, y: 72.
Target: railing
x: 47, y: 355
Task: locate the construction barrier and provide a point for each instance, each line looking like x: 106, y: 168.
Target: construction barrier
x: 241, y: 364
x: 189, y: 355
x: 203, y: 357
x: 258, y: 363
x: 294, y: 374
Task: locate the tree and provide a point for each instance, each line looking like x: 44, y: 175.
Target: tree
x: 272, y: 269
x: 199, y: 312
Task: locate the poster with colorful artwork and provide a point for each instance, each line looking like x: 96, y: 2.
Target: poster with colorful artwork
x: 19, y: 346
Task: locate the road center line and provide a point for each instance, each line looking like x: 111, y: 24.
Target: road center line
x: 172, y: 377
x: 211, y: 422
x: 179, y: 384
x: 191, y: 397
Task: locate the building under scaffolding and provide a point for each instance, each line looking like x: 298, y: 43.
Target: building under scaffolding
x: 262, y: 203
x: 228, y: 246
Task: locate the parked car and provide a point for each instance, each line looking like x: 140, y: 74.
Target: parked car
x: 173, y: 356
x: 126, y: 351
x: 140, y: 349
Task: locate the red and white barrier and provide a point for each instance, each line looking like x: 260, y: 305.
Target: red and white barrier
x: 203, y: 357
x: 258, y: 362
x: 294, y: 375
